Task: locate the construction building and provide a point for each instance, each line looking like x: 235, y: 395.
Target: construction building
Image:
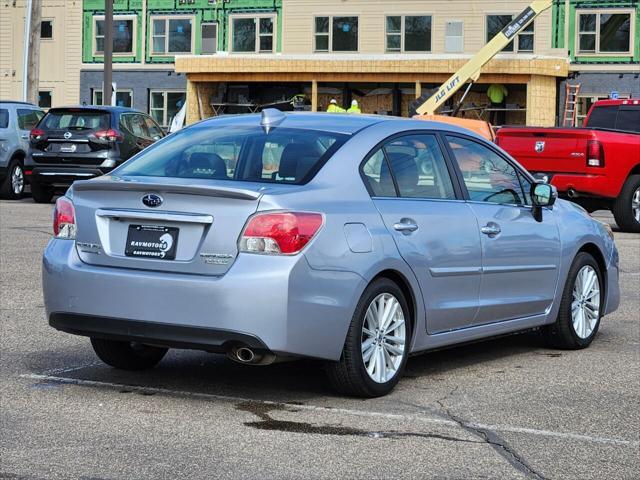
x: 385, y: 54
x: 601, y: 38
x: 149, y: 34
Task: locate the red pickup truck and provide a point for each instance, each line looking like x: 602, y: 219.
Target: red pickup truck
x: 596, y: 166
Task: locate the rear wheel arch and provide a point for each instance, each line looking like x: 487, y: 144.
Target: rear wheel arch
x: 634, y: 171
x: 401, y: 281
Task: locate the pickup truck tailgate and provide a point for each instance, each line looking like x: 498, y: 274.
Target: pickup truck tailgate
x: 559, y: 150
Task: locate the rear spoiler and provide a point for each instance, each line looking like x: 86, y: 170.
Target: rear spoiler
x: 110, y: 184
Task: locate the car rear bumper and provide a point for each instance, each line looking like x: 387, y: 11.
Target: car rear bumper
x: 280, y: 302
x: 63, y: 176
x: 587, y: 185
x: 152, y: 333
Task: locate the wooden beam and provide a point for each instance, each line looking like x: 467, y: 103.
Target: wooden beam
x: 418, y: 89
x: 339, y: 77
x: 314, y: 95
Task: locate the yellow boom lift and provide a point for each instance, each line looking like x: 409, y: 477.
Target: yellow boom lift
x: 470, y: 71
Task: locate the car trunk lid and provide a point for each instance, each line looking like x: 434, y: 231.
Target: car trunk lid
x: 193, y: 228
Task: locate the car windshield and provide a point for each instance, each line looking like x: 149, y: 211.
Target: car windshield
x: 237, y: 153
x: 76, y: 119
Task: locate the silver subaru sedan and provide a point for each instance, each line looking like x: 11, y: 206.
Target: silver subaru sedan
x: 358, y: 240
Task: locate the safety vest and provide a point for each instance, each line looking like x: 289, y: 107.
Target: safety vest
x: 354, y: 110
x: 333, y: 108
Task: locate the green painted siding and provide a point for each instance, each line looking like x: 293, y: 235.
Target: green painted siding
x: 571, y: 24
x: 202, y: 10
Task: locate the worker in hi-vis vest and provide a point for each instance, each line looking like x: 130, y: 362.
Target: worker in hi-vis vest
x: 354, y: 107
x: 334, y: 108
x: 497, y: 93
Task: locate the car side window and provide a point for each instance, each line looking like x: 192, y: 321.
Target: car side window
x: 4, y: 118
x: 152, y: 127
x: 487, y: 176
x: 377, y: 176
x: 27, y: 119
x: 136, y: 125
x: 419, y: 168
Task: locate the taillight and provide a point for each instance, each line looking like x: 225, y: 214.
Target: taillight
x: 36, y: 134
x: 110, y: 135
x: 595, y: 154
x: 279, y: 233
x: 64, y: 219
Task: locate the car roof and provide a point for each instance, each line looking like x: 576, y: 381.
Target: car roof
x: 329, y: 122
x: 342, y: 123
x: 618, y: 101
x: 106, y: 108
x: 17, y: 102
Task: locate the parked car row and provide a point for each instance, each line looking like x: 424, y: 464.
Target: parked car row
x: 50, y: 151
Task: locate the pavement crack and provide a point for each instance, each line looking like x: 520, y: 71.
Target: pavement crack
x: 492, y: 438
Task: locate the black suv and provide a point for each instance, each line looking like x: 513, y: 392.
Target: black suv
x: 78, y: 143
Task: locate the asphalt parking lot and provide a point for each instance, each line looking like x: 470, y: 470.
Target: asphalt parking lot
x: 507, y: 408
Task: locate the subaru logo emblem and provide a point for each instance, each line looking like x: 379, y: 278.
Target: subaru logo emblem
x: 67, y: 135
x: 539, y: 147
x: 152, y: 200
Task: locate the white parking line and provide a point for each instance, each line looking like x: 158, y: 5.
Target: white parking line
x: 332, y: 410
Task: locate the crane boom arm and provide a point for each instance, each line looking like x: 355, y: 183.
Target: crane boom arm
x: 471, y: 69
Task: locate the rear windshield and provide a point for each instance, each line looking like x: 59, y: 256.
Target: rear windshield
x: 625, y: 117
x: 237, y: 153
x: 76, y: 120
x: 4, y: 118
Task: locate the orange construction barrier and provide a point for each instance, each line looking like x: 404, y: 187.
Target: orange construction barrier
x: 480, y: 127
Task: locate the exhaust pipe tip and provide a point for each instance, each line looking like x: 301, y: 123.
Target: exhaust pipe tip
x: 572, y: 193
x: 245, y: 355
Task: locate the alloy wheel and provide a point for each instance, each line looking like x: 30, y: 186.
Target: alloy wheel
x: 383, y: 338
x: 585, y: 308
x: 635, y: 205
x: 17, y: 180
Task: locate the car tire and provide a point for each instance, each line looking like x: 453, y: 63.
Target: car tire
x: 127, y: 355
x: 12, y: 187
x: 352, y: 374
x: 626, y: 208
x: 41, y: 193
x: 577, y: 323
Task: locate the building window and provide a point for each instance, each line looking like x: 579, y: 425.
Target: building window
x: 171, y: 35
x: 524, y: 40
x: 124, y: 35
x: 252, y: 34
x: 44, y: 98
x: 124, y: 98
x: 164, y: 105
x: 454, y: 37
x: 209, y: 43
x: 336, y: 34
x: 410, y: 33
x: 46, y: 29
x: 604, y: 33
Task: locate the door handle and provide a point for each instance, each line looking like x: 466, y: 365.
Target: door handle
x: 492, y: 229
x: 24, y: 136
x: 406, y: 226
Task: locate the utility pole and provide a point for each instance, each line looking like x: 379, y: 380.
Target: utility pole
x: 31, y: 61
x: 108, y: 52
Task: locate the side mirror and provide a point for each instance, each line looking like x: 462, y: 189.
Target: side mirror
x: 542, y: 195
